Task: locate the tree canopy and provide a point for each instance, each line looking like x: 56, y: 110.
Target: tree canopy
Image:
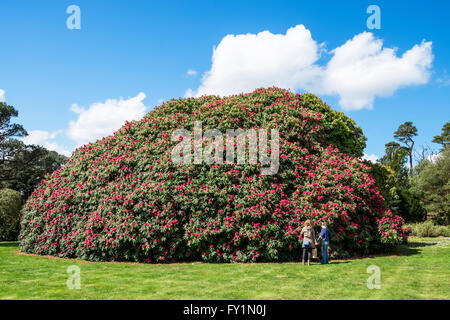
x: 10, y: 205
x: 340, y: 130
x: 395, y: 159
x: 405, y: 133
x: 444, y: 138
x: 22, y: 166
x: 7, y: 129
x: 433, y: 185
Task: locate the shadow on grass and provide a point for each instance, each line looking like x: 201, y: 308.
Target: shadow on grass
x: 412, y: 248
x: 405, y: 250
x: 8, y: 244
x: 420, y: 244
x: 337, y: 262
x: 409, y: 249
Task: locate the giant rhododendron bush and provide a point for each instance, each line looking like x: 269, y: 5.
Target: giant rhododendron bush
x: 123, y: 198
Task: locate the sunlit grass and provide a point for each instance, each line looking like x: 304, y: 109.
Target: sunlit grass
x: 419, y: 270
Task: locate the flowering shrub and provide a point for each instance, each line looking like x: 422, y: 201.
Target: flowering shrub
x: 122, y: 198
x: 391, y: 231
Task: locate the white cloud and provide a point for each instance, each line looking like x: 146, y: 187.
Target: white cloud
x: 434, y: 157
x: 443, y: 82
x: 189, y: 93
x: 104, y: 118
x: 2, y: 95
x: 76, y: 108
x: 246, y: 61
x: 99, y: 120
x: 359, y: 71
x: 370, y: 157
x: 191, y: 72
x: 43, y: 138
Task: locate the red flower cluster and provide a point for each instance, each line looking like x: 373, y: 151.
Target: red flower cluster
x: 122, y: 198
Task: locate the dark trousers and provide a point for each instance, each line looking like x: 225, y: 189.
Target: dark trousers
x: 325, y: 258
x: 307, y: 249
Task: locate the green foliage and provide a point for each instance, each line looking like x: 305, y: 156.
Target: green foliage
x: 7, y: 129
x: 444, y: 138
x: 405, y: 134
x: 432, y: 185
x: 24, y: 166
x: 10, y: 205
x: 409, y: 206
x: 340, y: 130
x: 429, y: 229
x: 387, y: 182
x: 395, y: 159
x: 397, y: 193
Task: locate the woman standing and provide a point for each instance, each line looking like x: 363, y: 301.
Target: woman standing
x: 309, y: 239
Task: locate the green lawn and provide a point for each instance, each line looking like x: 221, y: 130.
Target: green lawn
x: 419, y: 270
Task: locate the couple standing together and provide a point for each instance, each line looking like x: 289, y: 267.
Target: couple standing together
x: 309, y: 241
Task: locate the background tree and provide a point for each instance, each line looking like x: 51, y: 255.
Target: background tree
x: 22, y: 166
x: 423, y: 154
x: 391, y: 177
x: 432, y: 184
x: 444, y: 138
x: 26, y: 165
x: 387, y: 182
x: 405, y: 134
x: 10, y: 205
x: 395, y: 159
x: 409, y: 206
x: 8, y: 130
x: 397, y: 193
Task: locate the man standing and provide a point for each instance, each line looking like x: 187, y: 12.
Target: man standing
x: 325, y: 236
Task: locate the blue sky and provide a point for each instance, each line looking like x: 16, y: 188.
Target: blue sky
x: 55, y: 76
